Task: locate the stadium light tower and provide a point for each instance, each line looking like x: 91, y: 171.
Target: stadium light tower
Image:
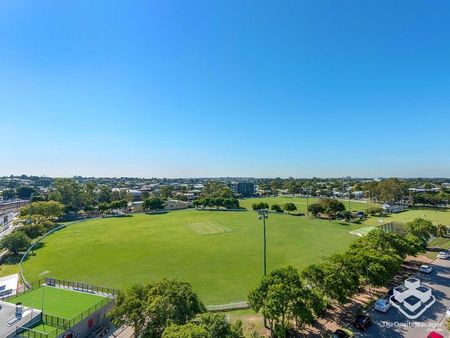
x: 263, y: 215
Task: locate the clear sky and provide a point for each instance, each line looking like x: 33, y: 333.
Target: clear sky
x: 225, y: 88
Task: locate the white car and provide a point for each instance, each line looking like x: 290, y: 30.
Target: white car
x: 425, y: 269
x: 443, y: 255
x: 447, y: 314
x: 382, y: 305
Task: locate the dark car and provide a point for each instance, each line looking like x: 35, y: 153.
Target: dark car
x: 362, y: 322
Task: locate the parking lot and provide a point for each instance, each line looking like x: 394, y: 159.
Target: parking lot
x: 395, y: 324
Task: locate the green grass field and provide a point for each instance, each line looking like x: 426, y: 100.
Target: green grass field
x: 58, y: 302
x: 440, y: 216
x: 219, y: 252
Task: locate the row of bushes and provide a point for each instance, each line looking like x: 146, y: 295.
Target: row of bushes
x: 217, y: 202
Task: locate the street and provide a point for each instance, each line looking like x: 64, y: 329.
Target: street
x: 395, y: 324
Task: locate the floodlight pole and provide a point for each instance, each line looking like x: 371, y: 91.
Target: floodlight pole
x: 307, y: 202
x: 264, y: 214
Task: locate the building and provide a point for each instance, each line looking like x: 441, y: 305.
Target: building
x: 176, y: 205
x: 8, y: 211
x: 391, y: 208
x: 243, y: 189
x: 65, y: 309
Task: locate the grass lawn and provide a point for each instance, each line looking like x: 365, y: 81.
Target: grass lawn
x: 8, y: 269
x: 219, y: 252
x: 434, y: 215
x: 58, y: 302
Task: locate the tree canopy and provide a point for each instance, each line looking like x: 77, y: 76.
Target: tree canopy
x: 153, y: 203
x: 284, y: 300
x: 213, y: 189
x: 289, y: 207
x: 152, y: 307
x: 15, y: 242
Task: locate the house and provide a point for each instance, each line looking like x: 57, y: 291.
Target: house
x: 175, y: 205
x: 392, y: 208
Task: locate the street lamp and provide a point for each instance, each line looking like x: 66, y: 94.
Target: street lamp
x: 264, y: 214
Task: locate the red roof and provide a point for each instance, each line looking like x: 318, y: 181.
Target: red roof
x: 434, y: 334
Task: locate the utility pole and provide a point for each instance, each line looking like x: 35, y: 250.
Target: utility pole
x: 263, y: 215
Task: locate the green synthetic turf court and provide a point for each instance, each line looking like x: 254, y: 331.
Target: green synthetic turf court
x: 42, y: 328
x: 362, y: 231
x: 208, y: 228
x: 57, y: 302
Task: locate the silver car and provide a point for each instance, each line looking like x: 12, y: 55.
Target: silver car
x: 382, y: 305
x: 425, y: 269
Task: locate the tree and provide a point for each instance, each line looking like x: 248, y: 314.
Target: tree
x: 422, y: 228
x: 335, y: 277
x: 165, y: 192
x: 8, y: 194
x: 68, y: 192
x: 289, y: 207
x: 15, y: 242
x: 374, y: 211
x: 33, y: 230
x: 169, y: 301
x: 118, y: 205
x: 104, y: 207
x: 332, y: 206
x: 25, y: 192
x: 231, y: 203
x: 130, y: 305
x: 260, y: 206
x: 150, y: 308
x: 153, y: 203
x: 276, y: 208
x: 315, y: 209
x: 89, y: 196
x: 283, y: 300
x: 219, y: 327
x: 392, y: 190
x: 189, y: 330
x: 104, y: 194
x: 47, y: 209
x: 442, y: 230
x: 214, y: 189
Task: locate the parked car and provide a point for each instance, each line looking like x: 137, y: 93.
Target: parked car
x: 342, y: 333
x: 382, y: 305
x: 362, y: 322
x: 443, y: 255
x: 434, y: 334
x: 425, y: 269
x: 447, y: 314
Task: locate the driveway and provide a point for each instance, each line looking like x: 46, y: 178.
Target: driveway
x: 395, y: 324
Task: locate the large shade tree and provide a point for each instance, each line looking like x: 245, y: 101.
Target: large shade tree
x: 154, y: 306
x: 284, y: 300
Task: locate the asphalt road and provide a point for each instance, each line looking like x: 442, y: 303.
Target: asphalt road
x: 395, y: 324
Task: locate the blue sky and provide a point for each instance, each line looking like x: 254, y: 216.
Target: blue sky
x: 225, y: 88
